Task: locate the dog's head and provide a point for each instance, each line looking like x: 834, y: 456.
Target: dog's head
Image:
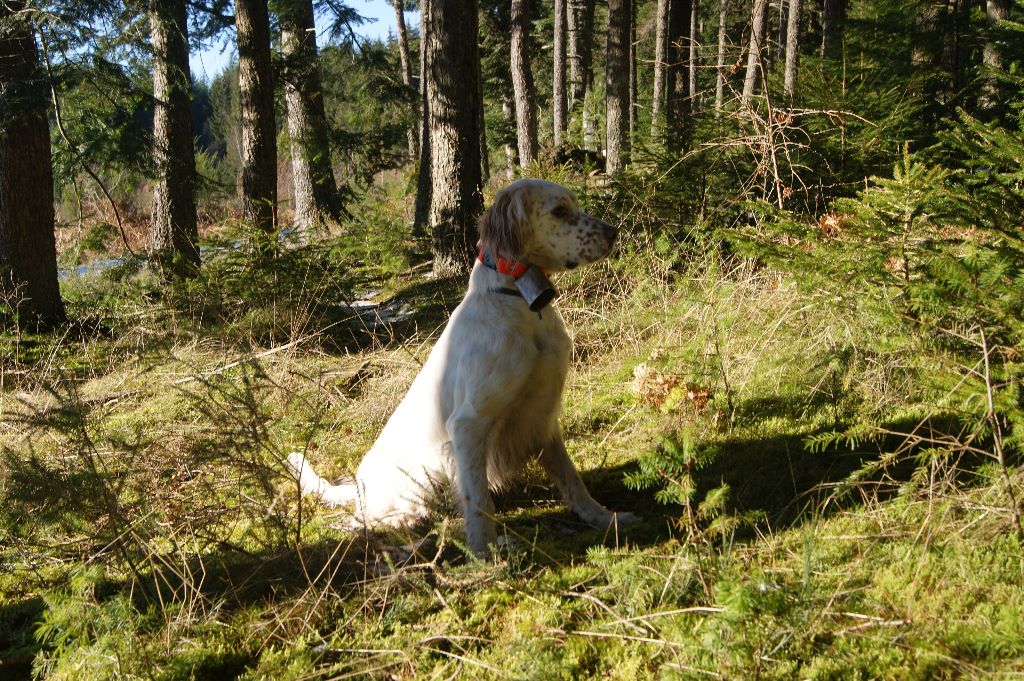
x: 539, y: 223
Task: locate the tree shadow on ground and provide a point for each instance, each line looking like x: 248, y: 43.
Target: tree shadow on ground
x: 782, y: 479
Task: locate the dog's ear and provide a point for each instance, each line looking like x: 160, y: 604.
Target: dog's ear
x: 503, y: 227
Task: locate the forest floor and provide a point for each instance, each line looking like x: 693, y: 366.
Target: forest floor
x: 149, y: 529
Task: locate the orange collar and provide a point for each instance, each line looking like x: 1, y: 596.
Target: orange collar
x: 509, y: 268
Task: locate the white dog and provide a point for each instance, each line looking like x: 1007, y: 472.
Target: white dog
x: 488, y: 397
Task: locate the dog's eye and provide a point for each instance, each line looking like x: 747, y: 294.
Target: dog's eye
x: 561, y: 212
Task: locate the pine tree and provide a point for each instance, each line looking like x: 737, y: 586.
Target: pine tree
x: 317, y: 202
x: 259, y: 131
x: 559, y: 102
x: 174, y: 233
x: 455, y: 109
x: 522, y: 83
x: 28, y: 255
x: 617, y: 85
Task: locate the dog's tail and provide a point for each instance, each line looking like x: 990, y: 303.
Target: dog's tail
x: 312, y: 484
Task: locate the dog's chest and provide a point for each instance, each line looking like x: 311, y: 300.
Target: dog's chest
x: 543, y: 389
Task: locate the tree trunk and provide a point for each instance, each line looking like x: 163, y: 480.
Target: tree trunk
x: 678, y: 108
x: 617, y: 86
x: 580, y: 19
x: 694, y: 36
x: 421, y: 220
x: 954, y: 51
x: 758, y: 27
x: 783, y: 27
x: 453, y: 68
x: 792, y: 47
x: 28, y: 253
x: 522, y: 84
x: 316, y: 195
x: 992, y: 57
x: 173, y: 232
x: 508, y: 111
x: 485, y: 159
x: 831, y: 15
x: 558, y: 95
x: 632, y: 68
x: 259, y: 131
x: 660, y: 66
x: 405, y: 60
x: 723, y: 18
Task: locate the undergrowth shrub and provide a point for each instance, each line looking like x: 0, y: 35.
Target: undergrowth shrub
x: 934, y: 258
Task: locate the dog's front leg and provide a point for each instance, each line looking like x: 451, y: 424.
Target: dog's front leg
x: 555, y: 460
x: 469, y: 450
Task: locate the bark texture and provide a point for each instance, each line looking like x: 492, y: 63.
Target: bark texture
x: 792, y: 48
x: 580, y: 21
x: 421, y: 220
x: 832, y: 12
x: 259, y: 132
x: 173, y: 230
x: 558, y: 94
x: 692, y: 56
x: 316, y: 195
x: 485, y: 159
x: 755, y: 50
x: 660, y: 65
x: 632, y: 68
x: 723, y: 18
x: 405, y: 60
x: 679, y: 95
x: 522, y: 85
x: 508, y: 112
x: 28, y: 254
x: 453, y: 68
x: 617, y: 85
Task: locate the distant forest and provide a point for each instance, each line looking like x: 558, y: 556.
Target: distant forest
x: 710, y: 105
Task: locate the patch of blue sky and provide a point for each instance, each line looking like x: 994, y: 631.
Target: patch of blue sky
x: 215, y: 56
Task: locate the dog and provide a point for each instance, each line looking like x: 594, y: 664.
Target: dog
x: 488, y: 397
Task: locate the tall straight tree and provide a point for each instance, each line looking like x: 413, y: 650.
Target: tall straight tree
x: 679, y: 95
x: 660, y: 62
x: 792, y: 48
x: 28, y: 253
x: 522, y: 83
x: 481, y: 128
x: 173, y: 236
x: 558, y: 93
x: 755, y: 49
x: 508, y: 113
x: 317, y: 202
x: 692, y: 53
x: 580, y: 54
x: 632, y: 69
x: 453, y: 70
x: 405, y: 61
x: 421, y: 220
x: 723, y: 18
x: 832, y: 12
x: 617, y: 85
x: 259, y: 130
